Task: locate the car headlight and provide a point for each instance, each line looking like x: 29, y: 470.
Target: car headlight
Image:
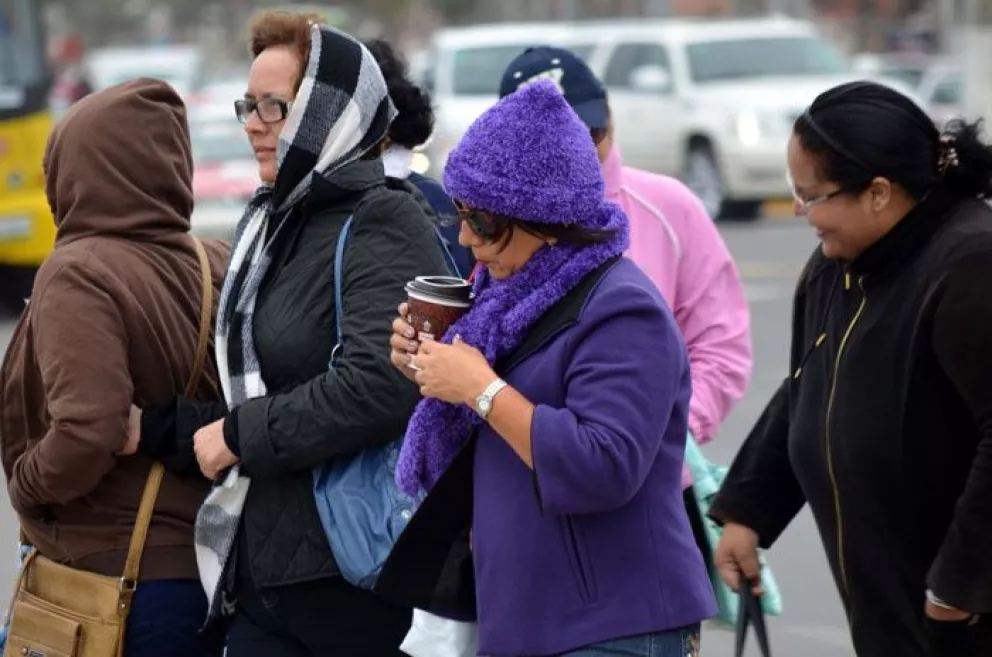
x: 752, y: 127
x: 747, y: 127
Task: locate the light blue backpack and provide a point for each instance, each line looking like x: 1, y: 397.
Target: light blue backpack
x: 362, y: 510
x: 707, y: 478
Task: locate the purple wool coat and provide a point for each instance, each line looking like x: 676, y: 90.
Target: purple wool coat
x: 594, y: 543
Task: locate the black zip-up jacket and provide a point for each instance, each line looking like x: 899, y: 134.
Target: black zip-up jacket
x: 884, y: 426
x: 311, y: 415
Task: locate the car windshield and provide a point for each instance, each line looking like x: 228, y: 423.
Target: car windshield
x: 910, y: 75
x: 220, y: 142
x: 478, y: 71
x: 22, y: 53
x: 737, y: 59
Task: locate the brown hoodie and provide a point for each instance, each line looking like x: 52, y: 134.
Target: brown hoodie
x: 112, y: 320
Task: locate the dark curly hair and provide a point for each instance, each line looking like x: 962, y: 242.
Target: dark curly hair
x: 414, y: 122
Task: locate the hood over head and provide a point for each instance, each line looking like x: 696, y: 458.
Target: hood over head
x: 119, y: 163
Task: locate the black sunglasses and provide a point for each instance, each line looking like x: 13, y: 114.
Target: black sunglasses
x: 598, y: 135
x: 484, y: 224
x: 270, y: 110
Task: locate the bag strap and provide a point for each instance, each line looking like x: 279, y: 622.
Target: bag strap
x: 424, y: 184
x: 449, y: 257
x: 750, y: 614
x: 338, y: 294
x: 146, y: 508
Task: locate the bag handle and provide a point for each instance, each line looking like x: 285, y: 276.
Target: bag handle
x: 146, y: 508
x: 338, y: 294
x: 750, y: 614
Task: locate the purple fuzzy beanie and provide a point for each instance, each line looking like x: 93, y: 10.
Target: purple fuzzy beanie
x: 532, y: 158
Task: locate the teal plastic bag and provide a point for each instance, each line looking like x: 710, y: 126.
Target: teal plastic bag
x: 4, y: 614
x: 707, y: 478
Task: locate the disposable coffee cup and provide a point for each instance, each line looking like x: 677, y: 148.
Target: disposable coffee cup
x: 434, y: 303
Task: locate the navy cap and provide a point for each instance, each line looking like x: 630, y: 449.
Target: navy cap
x: 580, y: 86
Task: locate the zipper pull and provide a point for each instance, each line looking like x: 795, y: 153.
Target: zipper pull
x: 847, y: 280
x: 819, y: 341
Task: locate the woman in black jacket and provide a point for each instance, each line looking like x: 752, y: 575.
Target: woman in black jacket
x: 316, y: 111
x: 884, y: 424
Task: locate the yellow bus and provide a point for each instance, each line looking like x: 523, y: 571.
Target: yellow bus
x: 27, y: 231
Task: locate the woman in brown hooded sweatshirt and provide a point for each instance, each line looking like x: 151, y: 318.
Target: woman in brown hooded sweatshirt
x: 113, y: 320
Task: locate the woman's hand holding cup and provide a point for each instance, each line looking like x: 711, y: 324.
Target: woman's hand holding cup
x: 403, y: 344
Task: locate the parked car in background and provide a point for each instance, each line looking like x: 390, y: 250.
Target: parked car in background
x: 905, y: 67
x: 217, y: 92
x: 709, y: 101
x: 225, y: 174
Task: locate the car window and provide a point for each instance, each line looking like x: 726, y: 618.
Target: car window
x: 949, y: 91
x: 736, y: 59
x: 630, y: 57
x: 911, y: 76
x: 478, y: 71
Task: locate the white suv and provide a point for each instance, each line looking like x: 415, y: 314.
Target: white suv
x: 711, y: 102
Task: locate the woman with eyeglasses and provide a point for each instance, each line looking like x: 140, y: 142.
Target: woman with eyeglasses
x: 554, y: 414
x: 316, y: 111
x: 884, y: 422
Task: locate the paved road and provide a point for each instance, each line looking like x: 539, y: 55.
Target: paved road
x: 770, y: 255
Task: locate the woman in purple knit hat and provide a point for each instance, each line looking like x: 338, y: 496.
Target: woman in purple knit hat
x: 553, y: 419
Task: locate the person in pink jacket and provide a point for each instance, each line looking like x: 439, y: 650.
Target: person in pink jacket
x: 673, y: 240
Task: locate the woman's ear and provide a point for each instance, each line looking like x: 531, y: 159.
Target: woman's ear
x: 880, y: 194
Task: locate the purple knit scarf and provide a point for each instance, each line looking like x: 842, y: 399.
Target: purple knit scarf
x: 499, y: 321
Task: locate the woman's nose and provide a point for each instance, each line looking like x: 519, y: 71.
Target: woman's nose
x: 254, y: 125
x: 466, y: 237
x: 798, y: 208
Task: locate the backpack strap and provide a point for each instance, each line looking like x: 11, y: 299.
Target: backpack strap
x: 448, y: 256
x: 427, y: 186
x: 338, y: 294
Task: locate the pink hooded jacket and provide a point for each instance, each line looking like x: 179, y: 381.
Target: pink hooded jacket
x: 674, y: 240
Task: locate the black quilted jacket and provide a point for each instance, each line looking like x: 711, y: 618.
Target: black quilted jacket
x: 311, y: 416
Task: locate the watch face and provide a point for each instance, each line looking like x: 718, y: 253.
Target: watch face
x: 484, y: 404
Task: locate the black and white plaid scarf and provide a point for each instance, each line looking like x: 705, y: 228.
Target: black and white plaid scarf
x: 341, y: 111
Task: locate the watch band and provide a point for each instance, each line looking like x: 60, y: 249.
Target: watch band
x: 493, y: 388
x: 484, y: 402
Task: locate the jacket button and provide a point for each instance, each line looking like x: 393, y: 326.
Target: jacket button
x: 406, y: 514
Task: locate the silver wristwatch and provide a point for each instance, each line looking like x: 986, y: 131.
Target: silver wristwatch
x: 484, y: 402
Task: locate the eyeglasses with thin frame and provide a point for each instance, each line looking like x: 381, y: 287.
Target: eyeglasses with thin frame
x: 807, y: 203
x: 270, y: 110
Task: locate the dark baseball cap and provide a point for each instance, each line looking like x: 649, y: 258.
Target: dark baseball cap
x: 580, y: 86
